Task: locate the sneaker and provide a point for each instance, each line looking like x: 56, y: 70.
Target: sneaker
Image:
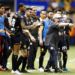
x: 51, y: 69
x: 65, y: 69
x: 17, y: 72
x: 12, y: 71
x: 31, y: 70
x: 41, y: 69
x: 58, y: 70
x: 24, y: 71
x: 47, y: 70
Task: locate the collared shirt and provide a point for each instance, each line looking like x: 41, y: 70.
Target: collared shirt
x: 47, y: 23
x: 2, y: 26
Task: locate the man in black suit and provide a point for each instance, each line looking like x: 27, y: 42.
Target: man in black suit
x: 51, y: 41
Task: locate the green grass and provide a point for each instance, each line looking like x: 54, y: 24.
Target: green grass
x: 70, y: 64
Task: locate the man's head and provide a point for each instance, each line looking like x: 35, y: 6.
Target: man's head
x: 21, y: 7
x: 33, y: 12
x: 2, y: 9
x: 43, y: 14
x: 50, y: 14
x: 8, y: 11
x: 28, y: 12
x: 57, y: 18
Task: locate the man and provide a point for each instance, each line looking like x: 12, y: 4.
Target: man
x: 32, y: 22
x: 1, y: 31
x: 3, y: 34
x: 51, y: 42
x: 46, y: 23
x: 17, y: 30
x: 9, y: 17
x: 28, y: 25
x: 64, y: 40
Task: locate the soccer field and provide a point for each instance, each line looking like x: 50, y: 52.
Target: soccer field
x: 70, y: 64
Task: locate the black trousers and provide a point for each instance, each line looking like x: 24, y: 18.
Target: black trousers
x: 32, y: 55
x: 1, y: 49
x: 65, y: 56
x: 42, y: 54
x: 5, y: 53
x: 52, y: 62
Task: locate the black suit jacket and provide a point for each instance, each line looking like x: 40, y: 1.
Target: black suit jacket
x: 52, y: 37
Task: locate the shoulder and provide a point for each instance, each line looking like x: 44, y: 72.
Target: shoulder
x: 45, y: 20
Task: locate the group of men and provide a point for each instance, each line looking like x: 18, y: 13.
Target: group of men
x: 24, y: 32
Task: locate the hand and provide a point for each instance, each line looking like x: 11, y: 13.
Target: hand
x: 34, y: 25
x: 41, y: 43
x: 60, y: 33
x: 64, y: 48
x: 25, y: 31
x: 33, y: 39
x: 8, y: 33
x: 1, y: 30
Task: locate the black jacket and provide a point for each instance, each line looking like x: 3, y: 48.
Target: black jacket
x: 52, y: 37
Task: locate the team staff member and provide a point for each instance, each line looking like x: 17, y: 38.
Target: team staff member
x: 51, y: 41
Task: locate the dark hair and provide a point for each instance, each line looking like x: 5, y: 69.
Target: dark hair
x: 20, y: 5
x: 50, y: 11
x: 43, y: 11
x: 1, y: 5
x: 28, y: 8
x: 7, y: 8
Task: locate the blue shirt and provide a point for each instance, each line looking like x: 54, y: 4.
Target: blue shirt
x: 2, y: 25
x: 47, y: 23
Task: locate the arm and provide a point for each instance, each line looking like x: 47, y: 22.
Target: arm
x: 6, y: 23
x: 27, y: 27
x: 65, y: 24
x: 40, y: 35
x: 7, y: 27
x: 1, y: 30
x: 29, y: 35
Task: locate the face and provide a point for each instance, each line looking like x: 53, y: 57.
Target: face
x: 43, y: 14
x: 9, y: 11
x: 56, y: 21
x: 2, y: 10
x: 28, y: 13
x: 22, y: 8
x: 50, y: 15
x: 33, y: 12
